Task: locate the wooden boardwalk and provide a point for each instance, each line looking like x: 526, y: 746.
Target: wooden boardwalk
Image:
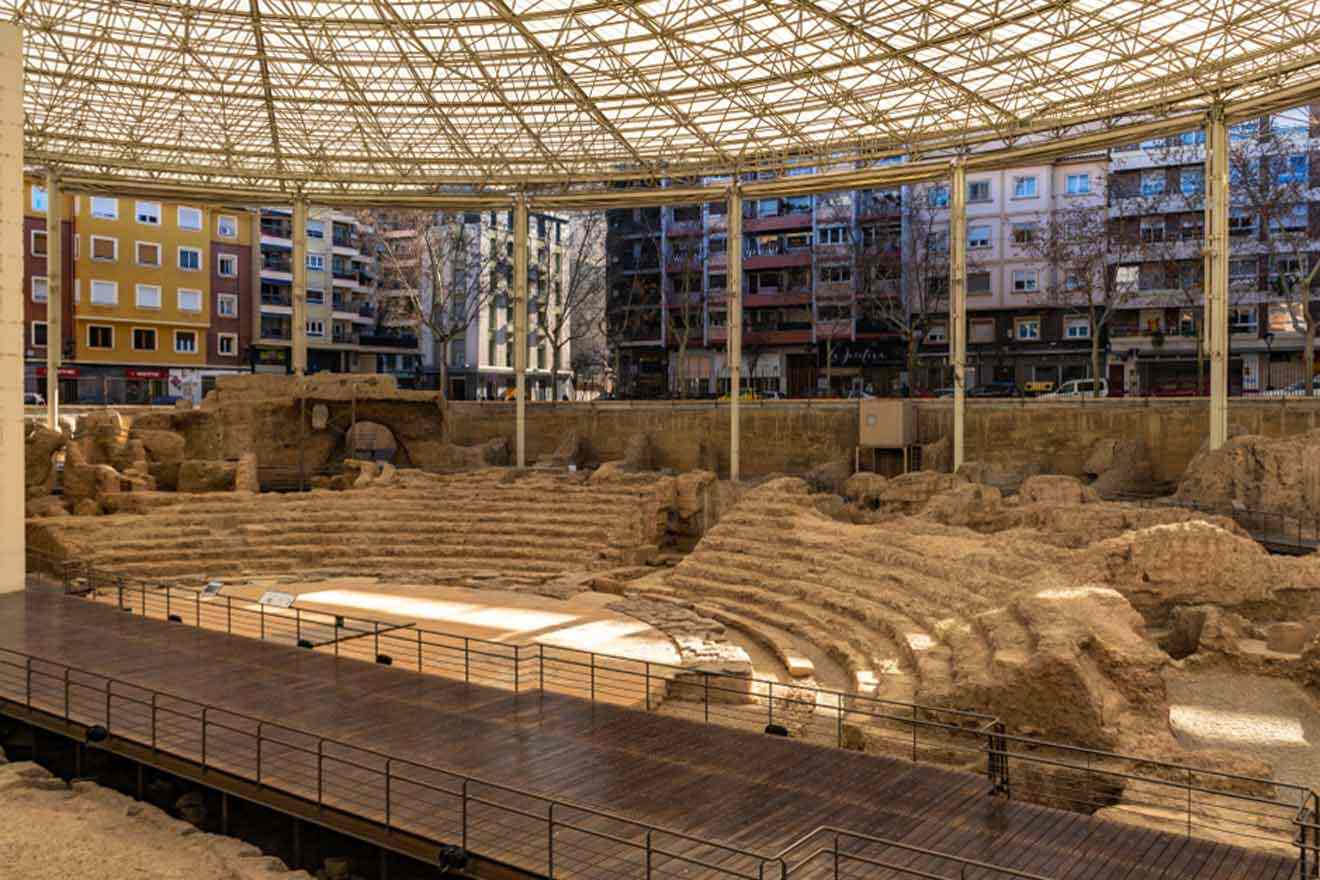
x: 404, y: 742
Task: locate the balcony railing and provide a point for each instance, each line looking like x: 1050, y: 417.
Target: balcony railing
x: 277, y: 265
x: 275, y: 299
x: 385, y: 341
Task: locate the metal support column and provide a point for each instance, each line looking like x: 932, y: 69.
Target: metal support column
x: 12, y: 329
x: 734, y: 320
x: 54, y: 297
x: 1216, y: 271
x: 958, y: 305
x: 519, y: 341
x: 299, y: 319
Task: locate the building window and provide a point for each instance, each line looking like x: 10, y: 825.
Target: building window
x: 938, y: 333
x: 105, y: 293
x: 1024, y: 280
x: 40, y: 288
x: 1024, y: 187
x: 1077, y: 184
x: 190, y: 300
x: 226, y: 265
x: 39, y: 200
x: 227, y: 344
x: 190, y: 218
x: 938, y: 197
x: 978, y: 283
x: 316, y: 262
x: 315, y: 297
x: 226, y: 305
x: 978, y: 236
x: 1024, y: 233
x: 148, y: 213
x: 1152, y: 229
x: 1192, y: 138
x: 1026, y: 328
x: 105, y: 249
x: 105, y: 207
x: 316, y: 229
x: 148, y: 296
x: 978, y: 191
x: 190, y: 259
x: 1240, y: 222
x: 1077, y: 328
x: 185, y: 341
x: 982, y: 330
x: 1191, y: 181
x: 1242, y: 270
x: 38, y: 336
x: 832, y: 235
x: 1242, y: 319
x: 1152, y: 183
x: 226, y: 226
x: 316, y: 328
x: 100, y: 336
x: 38, y: 243
x: 144, y: 339
x: 835, y: 274
x: 148, y: 253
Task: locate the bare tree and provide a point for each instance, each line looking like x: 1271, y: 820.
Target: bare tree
x: 907, y: 288
x: 1269, y: 170
x: 1094, y: 265
x: 567, y: 297
x: 434, y: 262
x: 685, y: 306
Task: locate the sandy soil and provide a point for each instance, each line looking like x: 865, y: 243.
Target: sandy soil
x: 51, y: 831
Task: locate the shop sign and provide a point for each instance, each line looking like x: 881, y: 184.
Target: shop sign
x: 65, y: 372
x: 132, y: 373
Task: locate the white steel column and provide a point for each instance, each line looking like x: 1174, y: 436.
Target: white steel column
x: 519, y: 341
x: 299, y: 258
x: 13, y: 567
x: 54, y: 297
x: 734, y: 320
x: 958, y: 305
x: 1216, y: 271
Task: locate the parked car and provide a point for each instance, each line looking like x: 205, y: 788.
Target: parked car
x: 859, y: 394
x: 773, y: 395
x: 1296, y: 389
x: 995, y: 389
x: 165, y: 400
x: 1078, y: 388
x: 33, y: 399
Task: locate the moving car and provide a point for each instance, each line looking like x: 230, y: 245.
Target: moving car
x: 33, y: 399
x: 1078, y: 388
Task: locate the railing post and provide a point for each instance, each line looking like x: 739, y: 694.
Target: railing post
x: 1189, y: 802
x: 463, y: 807
x: 29, y: 683
x: 297, y: 624
x: 770, y: 702
x: 320, y: 773
x: 540, y: 666
x: 838, y: 715
x: 836, y: 857
x: 419, y: 650
x: 261, y: 613
x: 66, y: 693
x: 914, y: 734
x: 120, y: 589
x: 705, y: 703
x: 229, y: 615
x: 260, y: 724
x: 593, y: 678
x: 153, y: 729
x: 648, y: 854
x: 648, y: 686
x: 144, y: 598
x: 516, y: 664
x: 375, y: 635
x: 197, y: 606
x: 204, y: 708
x: 387, y: 795
x: 467, y: 660
x: 108, y: 685
x: 550, y: 844
x: 167, y: 602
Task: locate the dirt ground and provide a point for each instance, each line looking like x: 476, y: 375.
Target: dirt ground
x: 51, y: 831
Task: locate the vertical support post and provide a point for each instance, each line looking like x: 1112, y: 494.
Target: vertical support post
x: 299, y: 319
x: 734, y: 319
x: 54, y: 298
x: 958, y: 306
x: 519, y: 341
x: 13, y: 543
x: 1216, y: 271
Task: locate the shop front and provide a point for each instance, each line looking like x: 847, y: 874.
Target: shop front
x: 35, y: 382
x: 142, y: 385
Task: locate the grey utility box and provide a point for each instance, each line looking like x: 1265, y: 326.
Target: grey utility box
x: 887, y: 424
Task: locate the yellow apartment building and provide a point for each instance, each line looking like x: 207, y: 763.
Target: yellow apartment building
x: 142, y: 294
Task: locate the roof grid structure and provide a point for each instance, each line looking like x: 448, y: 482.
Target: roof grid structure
x: 381, y: 96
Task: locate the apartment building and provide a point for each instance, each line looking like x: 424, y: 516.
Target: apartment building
x: 1021, y: 328
x: 802, y: 324
x: 1157, y: 194
x: 346, y: 331
x: 481, y: 362
x: 154, y: 293
x: 36, y: 286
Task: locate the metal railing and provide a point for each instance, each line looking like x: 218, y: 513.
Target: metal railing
x: 1179, y: 798
x: 1285, y: 531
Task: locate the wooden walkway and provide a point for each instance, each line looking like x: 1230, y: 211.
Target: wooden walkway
x: 754, y: 793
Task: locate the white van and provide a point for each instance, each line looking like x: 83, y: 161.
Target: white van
x: 1077, y: 388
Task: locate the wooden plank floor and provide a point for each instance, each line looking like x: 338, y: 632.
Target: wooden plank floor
x: 749, y: 791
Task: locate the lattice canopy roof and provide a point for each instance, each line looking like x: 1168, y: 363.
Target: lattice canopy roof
x: 375, y: 94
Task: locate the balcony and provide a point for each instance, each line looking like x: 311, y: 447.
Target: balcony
x: 772, y: 296
x: 387, y: 341
x: 795, y: 220
x: 779, y: 336
x: 272, y: 264
x: 778, y: 258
